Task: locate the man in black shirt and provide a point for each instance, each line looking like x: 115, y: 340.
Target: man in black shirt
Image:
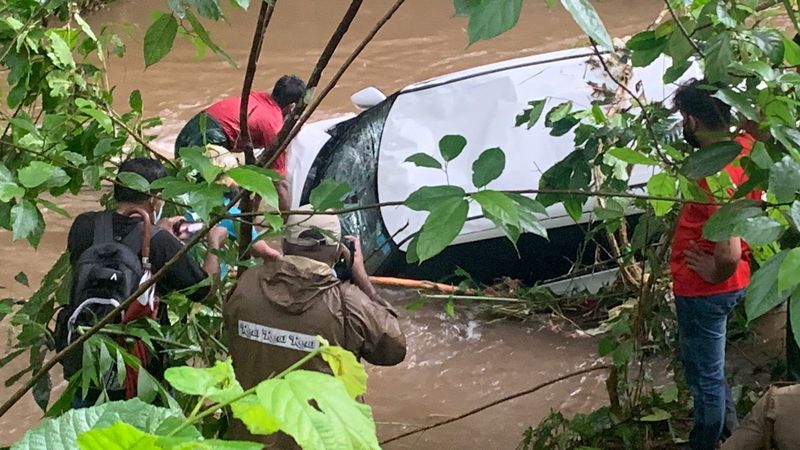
x: 163, y: 246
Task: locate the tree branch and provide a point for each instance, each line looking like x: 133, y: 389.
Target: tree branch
x: 495, y: 403
x: 245, y: 141
x: 289, y: 132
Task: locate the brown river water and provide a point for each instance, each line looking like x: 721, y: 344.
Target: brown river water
x: 453, y: 364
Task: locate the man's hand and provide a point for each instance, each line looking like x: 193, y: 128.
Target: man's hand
x: 170, y: 224
x: 216, y: 237
x: 358, y: 258
x: 702, y: 262
x: 360, y: 276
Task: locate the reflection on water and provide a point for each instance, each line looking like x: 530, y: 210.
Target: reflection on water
x: 453, y: 365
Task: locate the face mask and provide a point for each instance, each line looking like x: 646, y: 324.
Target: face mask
x: 690, y: 136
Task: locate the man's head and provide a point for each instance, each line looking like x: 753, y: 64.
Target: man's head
x: 288, y: 90
x: 313, y: 236
x: 149, y: 169
x: 705, y: 119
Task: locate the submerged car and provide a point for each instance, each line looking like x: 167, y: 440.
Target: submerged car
x: 368, y: 152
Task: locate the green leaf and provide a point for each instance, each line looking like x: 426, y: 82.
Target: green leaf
x: 662, y: 185
x: 22, y: 279
x: 59, y: 51
x: 135, y: 101
x: 675, y: 71
x: 146, y: 386
x: 53, y: 207
x: 205, y: 198
x: 208, y: 8
x: 85, y: 27
x: 217, y: 383
x: 763, y: 293
x: 427, y: 198
x: 646, y: 47
x: 657, y: 415
x: 254, y: 415
x: 328, y: 195
x: 488, y: 167
x: 791, y: 52
x: 424, y: 160
x: 134, y: 181
x: 35, y: 174
x: 119, y: 436
x: 758, y: 231
x: 558, y: 113
x: 489, y: 18
x: 9, y: 190
x: 205, y: 38
x: 451, y: 146
x: 440, y: 228
x: 631, y: 156
x: 670, y: 393
x: 256, y: 180
x: 586, y: 17
x: 196, y: 158
x: 787, y: 273
x: 739, y: 101
x: 347, y: 369
x: 719, y: 56
x: 794, y: 214
x: 159, y: 38
x: 63, y: 431
x: 708, y: 161
x: 771, y: 43
x: 784, y: 179
x: 531, y: 115
x: 528, y: 208
x: 25, y: 220
x: 316, y: 410
x: 502, y: 211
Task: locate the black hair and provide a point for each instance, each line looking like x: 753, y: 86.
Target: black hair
x: 288, y: 89
x: 695, y: 99
x: 150, y: 169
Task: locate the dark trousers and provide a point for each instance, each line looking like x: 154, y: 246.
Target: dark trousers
x: 702, y: 329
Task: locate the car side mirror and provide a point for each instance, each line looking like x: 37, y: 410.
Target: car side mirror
x: 367, y: 98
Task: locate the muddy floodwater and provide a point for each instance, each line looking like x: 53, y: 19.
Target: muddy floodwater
x: 453, y: 364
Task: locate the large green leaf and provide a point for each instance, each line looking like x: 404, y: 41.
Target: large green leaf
x: 488, y: 167
x: 347, y: 369
x: 586, y: 17
x: 328, y: 195
x: 719, y: 56
x: 451, y: 146
x: 502, y: 211
x: 255, y: 417
x: 258, y: 180
x: 784, y: 179
x: 428, y: 197
x: 205, y: 198
x: 205, y: 38
x: 488, y: 18
x: 134, y: 181
x: 9, y: 190
x: 196, y: 158
x: 528, y: 209
x: 787, y: 274
x: 708, y: 161
x: 159, y: 38
x: 62, y: 432
x: 531, y: 115
x: 440, y: 228
x: 741, y: 102
x: 316, y: 410
x: 217, y: 383
x: 35, y: 174
x: 59, y: 51
x: 119, y: 436
x: 631, y: 156
x: 722, y: 224
x: 25, y: 220
x: 763, y: 293
x: 662, y: 185
x: 209, y: 9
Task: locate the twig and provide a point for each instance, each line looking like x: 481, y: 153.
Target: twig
x: 245, y: 141
x: 495, y: 403
x: 273, y: 154
x: 683, y: 29
x: 138, y: 138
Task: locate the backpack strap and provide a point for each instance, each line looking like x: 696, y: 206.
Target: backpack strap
x: 103, y: 228
x: 135, y: 238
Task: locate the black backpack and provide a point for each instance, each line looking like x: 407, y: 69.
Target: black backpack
x: 105, y: 275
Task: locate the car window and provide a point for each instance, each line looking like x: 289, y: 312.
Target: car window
x: 351, y: 156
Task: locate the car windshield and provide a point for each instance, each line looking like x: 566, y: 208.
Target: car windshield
x: 351, y: 156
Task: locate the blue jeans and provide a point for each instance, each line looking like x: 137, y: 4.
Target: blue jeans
x: 702, y: 326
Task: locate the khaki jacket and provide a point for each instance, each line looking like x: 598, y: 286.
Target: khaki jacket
x: 773, y: 424
x: 279, y: 307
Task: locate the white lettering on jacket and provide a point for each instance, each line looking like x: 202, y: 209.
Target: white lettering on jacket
x: 277, y: 337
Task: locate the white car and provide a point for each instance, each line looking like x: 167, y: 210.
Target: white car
x: 368, y: 151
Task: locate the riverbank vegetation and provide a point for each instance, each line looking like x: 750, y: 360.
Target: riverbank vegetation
x: 61, y: 134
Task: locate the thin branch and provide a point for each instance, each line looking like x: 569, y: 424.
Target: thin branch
x: 495, y: 403
x: 138, y: 138
x: 291, y: 131
x: 245, y: 141
x: 683, y: 29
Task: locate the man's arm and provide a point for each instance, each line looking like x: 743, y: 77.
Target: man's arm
x: 284, y: 197
x: 216, y: 238
x: 715, y: 267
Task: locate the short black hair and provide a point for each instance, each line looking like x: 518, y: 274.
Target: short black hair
x: 695, y: 99
x: 150, y: 169
x: 288, y: 89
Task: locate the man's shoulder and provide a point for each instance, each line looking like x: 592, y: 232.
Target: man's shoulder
x: 85, y: 221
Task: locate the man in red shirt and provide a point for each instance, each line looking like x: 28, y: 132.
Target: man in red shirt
x: 709, y: 278
x: 219, y: 124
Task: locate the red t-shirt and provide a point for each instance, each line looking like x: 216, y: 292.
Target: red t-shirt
x: 686, y: 282
x: 264, y: 120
